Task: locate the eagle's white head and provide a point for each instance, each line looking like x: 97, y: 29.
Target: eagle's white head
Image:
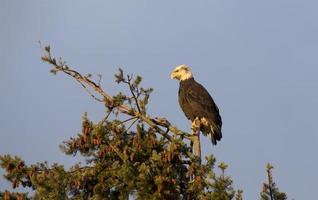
x: 181, y: 73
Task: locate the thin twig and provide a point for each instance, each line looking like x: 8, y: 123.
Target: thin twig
x: 108, y: 114
x: 131, y: 124
x: 89, y: 92
x: 134, y: 96
x: 117, y: 151
x: 127, y: 120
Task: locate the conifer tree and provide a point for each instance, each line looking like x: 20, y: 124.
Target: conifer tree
x: 270, y: 191
x: 128, y: 154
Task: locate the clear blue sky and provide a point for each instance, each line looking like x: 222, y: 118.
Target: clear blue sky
x: 257, y: 58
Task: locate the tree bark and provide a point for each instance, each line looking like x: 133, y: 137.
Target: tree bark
x: 196, y: 138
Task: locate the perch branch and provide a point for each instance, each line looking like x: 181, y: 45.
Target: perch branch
x: 85, y: 81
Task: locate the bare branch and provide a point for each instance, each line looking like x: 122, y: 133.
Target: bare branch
x: 88, y: 85
x: 136, y: 119
x: 133, y: 94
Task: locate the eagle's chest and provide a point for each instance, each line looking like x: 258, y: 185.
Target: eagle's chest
x: 183, y: 100
x: 185, y: 103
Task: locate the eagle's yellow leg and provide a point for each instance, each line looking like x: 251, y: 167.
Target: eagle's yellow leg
x: 196, y: 124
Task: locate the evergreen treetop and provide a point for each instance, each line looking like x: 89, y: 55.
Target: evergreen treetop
x: 128, y: 154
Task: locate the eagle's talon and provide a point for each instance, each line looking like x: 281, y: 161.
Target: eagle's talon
x: 196, y: 124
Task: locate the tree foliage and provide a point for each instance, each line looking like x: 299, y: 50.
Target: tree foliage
x: 128, y: 154
x: 270, y: 191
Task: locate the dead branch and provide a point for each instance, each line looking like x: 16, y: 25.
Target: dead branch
x: 88, y: 85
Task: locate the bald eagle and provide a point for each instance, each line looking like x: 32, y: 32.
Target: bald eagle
x: 197, y: 103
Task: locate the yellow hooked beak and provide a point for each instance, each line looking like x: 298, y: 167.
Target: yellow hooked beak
x: 172, y: 75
